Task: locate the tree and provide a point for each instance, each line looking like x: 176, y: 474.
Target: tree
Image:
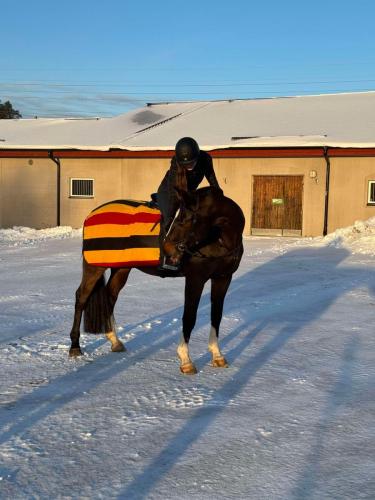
x: 7, y: 111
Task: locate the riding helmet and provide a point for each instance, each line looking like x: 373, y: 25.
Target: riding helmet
x: 187, y: 151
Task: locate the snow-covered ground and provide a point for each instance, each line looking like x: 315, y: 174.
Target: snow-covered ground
x: 291, y: 418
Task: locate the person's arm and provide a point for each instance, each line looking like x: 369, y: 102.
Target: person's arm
x: 210, y: 173
x: 166, y: 195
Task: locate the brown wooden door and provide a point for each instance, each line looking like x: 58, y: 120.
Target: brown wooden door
x: 277, y: 204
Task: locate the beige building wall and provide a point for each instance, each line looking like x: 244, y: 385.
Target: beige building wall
x: 28, y: 192
x: 35, y: 204
x: 28, y: 187
x: 107, y: 175
x: 142, y: 176
x: 113, y: 179
x: 137, y: 178
x: 236, y: 178
x: 348, y: 191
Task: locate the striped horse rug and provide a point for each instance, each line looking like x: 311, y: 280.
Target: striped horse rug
x: 122, y: 233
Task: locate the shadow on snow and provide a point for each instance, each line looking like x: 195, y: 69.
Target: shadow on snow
x: 289, y: 291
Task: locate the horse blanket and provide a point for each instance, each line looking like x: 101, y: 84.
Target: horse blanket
x: 122, y: 233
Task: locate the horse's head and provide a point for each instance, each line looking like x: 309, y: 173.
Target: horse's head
x: 203, y: 219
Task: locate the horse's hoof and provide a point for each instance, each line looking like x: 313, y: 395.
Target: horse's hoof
x: 119, y: 347
x: 220, y: 363
x: 74, y: 352
x: 188, y: 369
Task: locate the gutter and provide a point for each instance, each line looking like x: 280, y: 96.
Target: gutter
x: 328, y: 175
x: 58, y: 187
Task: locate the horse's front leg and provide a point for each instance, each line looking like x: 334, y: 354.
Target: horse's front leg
x: 193, y: 292
x: 219, y: 288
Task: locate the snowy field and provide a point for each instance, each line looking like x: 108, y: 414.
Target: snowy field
x: 291, y: 418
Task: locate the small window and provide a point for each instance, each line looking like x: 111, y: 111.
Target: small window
x: 82, y: 188
x: 371, y: 193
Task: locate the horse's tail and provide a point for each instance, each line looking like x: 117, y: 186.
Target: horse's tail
x: 98, y: 313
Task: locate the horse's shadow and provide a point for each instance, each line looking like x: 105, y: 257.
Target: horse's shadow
x: 305, y: 310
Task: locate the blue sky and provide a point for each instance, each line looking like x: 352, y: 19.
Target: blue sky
x: 96, y: 58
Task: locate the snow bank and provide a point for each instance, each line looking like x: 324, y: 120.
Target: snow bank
x: 357, y: 239
x: 26, y: 236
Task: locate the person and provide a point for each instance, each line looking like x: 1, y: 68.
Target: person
x: 189, y: 166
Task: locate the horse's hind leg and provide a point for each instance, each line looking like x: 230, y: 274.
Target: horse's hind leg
x: 193, y: 292
x: 115, y: 283
x: 90, y: 276
x: 219, y: 288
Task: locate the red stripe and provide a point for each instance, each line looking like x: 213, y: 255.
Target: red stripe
x: 120, y: 218
x: 133, y: 263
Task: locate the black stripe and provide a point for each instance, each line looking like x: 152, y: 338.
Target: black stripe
x: 121, y: 243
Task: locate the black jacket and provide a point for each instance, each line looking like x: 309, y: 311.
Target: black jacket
x: 167, y: 196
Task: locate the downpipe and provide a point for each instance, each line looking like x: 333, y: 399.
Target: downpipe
x: 58, y: 186
x: 326, y: 201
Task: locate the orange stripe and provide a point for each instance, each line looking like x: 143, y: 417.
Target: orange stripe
x: 128, y: 255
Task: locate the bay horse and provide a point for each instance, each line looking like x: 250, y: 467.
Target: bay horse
x: 205, y: 240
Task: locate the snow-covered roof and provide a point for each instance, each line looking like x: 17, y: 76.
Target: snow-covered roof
x: 336, y: 120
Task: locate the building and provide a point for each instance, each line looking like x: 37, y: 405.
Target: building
x: 296, y: 165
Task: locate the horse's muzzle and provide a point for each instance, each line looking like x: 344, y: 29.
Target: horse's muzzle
x: 174, y: 251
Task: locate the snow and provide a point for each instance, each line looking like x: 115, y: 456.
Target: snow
x: 87, y: 134
x: 26, y: 236
x: 291, y: 418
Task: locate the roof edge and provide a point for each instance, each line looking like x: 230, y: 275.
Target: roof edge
x: 267, y: 152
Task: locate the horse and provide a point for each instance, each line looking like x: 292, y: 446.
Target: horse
x: 205, y: 242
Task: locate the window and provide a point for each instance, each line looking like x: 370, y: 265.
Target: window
x: 371, y: 193
x: 82, y: 188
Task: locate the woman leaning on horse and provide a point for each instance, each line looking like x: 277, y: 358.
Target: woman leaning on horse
x: 188, y: 167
